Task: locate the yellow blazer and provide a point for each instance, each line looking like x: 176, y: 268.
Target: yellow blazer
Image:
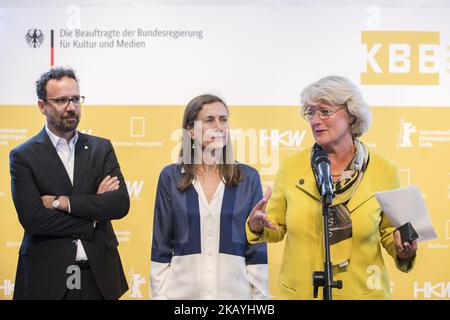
x: 296, y: 207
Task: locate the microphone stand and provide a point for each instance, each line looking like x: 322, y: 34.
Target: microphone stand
x: 325, y: 278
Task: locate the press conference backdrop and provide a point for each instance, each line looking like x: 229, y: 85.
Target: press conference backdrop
x: 139, y: 63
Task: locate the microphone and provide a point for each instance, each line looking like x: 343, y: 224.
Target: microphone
x: 324, y: 180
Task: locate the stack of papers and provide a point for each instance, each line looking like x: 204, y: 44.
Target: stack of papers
x: 404, y: 205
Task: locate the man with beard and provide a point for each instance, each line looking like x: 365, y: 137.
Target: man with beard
x: 67, y: 187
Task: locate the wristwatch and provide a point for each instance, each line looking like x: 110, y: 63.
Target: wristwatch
x: 56, y: 203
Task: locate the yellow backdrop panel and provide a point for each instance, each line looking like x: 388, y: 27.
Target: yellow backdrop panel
x: 146, y: 138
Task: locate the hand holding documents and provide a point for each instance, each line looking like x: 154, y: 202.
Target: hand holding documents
x: 405, y: 205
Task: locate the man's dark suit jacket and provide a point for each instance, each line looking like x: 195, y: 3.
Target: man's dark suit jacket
x: 49, y: 247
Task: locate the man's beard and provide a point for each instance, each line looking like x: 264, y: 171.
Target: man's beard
x: 66, y: 125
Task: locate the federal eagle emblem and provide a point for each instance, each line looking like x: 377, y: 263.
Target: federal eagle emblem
x: 34, y: 38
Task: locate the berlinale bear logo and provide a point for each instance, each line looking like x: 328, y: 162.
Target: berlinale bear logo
x: 404, y: 138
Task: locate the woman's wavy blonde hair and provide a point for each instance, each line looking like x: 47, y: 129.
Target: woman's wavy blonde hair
x: 335, y: 91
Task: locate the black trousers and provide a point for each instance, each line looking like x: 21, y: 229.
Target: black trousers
x: 88, y: 287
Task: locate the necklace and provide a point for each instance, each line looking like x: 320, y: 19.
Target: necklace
x: 336, y: 175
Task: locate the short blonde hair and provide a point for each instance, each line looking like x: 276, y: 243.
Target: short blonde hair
x: 338, y: 90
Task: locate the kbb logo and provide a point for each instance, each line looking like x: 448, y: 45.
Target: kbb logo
x: 401, y: 57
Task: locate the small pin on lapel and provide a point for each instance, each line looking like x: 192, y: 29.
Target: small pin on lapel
x: 86, y: 147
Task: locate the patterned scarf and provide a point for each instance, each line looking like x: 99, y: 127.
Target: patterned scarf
x: 340, y: 222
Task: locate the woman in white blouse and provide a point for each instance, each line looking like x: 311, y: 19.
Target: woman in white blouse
x: 199, y: 248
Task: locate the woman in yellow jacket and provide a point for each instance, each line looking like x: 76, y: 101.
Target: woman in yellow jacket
x: 337, y: 114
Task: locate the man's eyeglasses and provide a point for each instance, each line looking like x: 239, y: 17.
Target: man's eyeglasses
x: 64, y: 101
x: 322, y: 112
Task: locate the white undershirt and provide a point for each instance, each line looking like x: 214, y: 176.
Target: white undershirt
x: 66, y: 152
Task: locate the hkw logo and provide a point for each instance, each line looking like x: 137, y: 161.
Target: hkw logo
x: 134, y: 188
x: 440, y: 290
x: 8, y: 287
